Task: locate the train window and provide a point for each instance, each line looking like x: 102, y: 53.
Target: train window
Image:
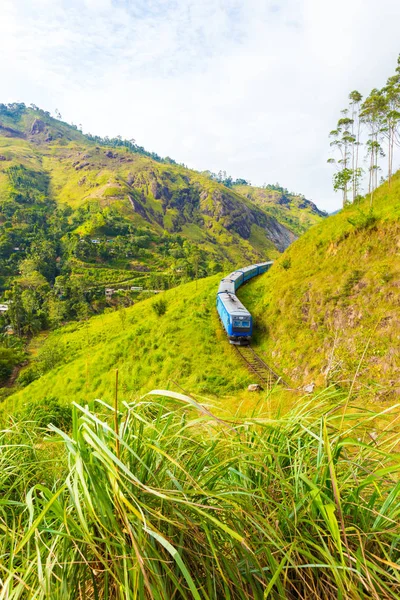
x: 241, y: 323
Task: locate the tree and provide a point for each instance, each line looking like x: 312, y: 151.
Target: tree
x: 344, y: 140
x: 355, y: 101
x: 373, y: 115
x: 391, y: 93
x: 16, y: 312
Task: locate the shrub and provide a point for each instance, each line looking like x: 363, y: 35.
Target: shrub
x: 286, y: 263
x: 363, y: 220
x: 160, y: 307
x: 9, y: 358
x: 28, y: 375
x: 46, y: 411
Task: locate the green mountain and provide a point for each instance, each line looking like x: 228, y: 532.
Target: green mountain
x: 292, y: 210
x: 106, y: 191
x: 328, y: 310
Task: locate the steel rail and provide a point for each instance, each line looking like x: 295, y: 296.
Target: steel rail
x: 260, y: 368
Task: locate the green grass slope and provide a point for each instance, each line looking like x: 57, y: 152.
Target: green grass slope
x: 184, y: 347
x: 329, y: 308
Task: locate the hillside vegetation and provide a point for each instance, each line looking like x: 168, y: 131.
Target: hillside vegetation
x: 139, y: 208
x: 293, y: 210
x: 328, y: 310
x: 183, y: 346
x: 79, y: 214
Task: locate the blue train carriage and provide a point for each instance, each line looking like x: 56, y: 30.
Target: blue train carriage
x: 263, y: 267
x: 226, y: 286
x: 237, y: 278
x: 235, y: 318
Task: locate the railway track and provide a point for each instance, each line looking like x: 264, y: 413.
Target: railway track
x: 257, y: 366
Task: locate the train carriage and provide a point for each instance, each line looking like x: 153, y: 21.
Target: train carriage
x: 237, y: 278
x: 235, y: 317
x: 226, y: 285
x: 249, y: 272
x: 263, y: 267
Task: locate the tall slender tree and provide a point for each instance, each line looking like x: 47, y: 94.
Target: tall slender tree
x: 343, y: 140
x: 380, y: 114
x: 355, y: 102
x: 391, y: 93
x: 373, y: 115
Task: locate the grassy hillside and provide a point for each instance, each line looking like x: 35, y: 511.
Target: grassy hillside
x: 97, y: 182
x: 328, y: 310
x: 292, y: 210
x: 184, y: 347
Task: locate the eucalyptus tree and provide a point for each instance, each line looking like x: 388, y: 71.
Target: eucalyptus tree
x: 391, y: 94
x: 343, y: 140
x: 373, y: 114
x: 355, y: 102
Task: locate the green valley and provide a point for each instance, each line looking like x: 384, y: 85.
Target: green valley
x: 80, y: 213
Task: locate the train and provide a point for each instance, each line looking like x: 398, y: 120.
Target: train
x: 235, y: 318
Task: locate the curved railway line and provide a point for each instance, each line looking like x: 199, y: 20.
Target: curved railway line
x: 256, y: 365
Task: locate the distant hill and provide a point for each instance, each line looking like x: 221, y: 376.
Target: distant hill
x: 328, y: 310
x: 292, y: 210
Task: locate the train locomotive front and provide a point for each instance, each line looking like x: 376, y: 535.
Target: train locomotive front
x: 235, y: 318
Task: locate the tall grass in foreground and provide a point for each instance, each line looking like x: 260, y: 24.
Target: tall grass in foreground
x: 187, y: 507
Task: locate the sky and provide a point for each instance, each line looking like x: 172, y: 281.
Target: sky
x: 252, y: 87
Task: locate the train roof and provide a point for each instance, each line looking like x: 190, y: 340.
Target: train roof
x: 233, y: 304
x: 234, y: 275
x: 226, y: 285
x: 263, y: 264
x: 249, y: 268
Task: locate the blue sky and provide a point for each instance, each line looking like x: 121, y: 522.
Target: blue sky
x: 250, y: 87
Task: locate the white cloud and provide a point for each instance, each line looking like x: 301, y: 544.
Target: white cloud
x: 250, y: 87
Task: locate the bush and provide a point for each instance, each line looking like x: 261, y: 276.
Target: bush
x: 28, y: 375
x: 160, y: 307
x: 46, y: 411
x: 9, y: 358
x: 286, y: 263
x: 363, y: 220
